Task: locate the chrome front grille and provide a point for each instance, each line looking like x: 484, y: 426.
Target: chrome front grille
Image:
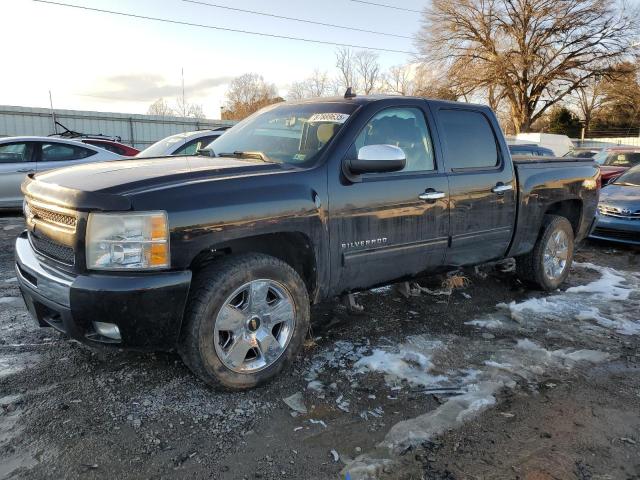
x: 53, y: 217
x: 52, y: 230
x: 618, y: 212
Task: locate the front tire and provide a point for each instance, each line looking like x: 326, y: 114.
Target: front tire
x: 246, y: 319
x: 547, y: 266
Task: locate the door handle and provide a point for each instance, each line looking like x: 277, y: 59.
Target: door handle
x: 501, y: 188
x: 431, y: 195
x: 25, y: 170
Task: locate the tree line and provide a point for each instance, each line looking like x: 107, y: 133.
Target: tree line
x: 542, y: 65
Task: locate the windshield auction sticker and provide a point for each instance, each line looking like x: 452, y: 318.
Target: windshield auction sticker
x: 328, y: 117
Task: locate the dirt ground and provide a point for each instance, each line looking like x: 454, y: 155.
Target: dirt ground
x: 489, y: 381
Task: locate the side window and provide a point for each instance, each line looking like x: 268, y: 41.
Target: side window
x: 205, y: 141
x: 14, y: 153
x: 469, y: 139
x: 61, y: 152
x: 405, y: 128
x: 189, y: 148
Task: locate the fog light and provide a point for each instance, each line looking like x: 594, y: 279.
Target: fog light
x: 109, y: 330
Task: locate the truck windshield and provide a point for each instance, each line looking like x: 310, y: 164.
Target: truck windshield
x: 285, y: 133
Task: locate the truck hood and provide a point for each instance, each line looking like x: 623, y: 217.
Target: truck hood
x: 110, y: 185
x: 128, y: 176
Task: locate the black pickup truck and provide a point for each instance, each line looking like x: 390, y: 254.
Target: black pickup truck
x: 220, y: 255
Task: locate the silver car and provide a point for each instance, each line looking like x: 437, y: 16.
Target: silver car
x: 20, y: 156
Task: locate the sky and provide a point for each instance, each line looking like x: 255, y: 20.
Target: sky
x: 97, y: 61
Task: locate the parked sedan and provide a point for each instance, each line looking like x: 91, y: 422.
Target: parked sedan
x: 187, y: 143
x: 530, y: 150
x: 20, y: 156
x: 112, y: 146
x: 618, y: 217
x: 582, y: 152
x: 615, y: 160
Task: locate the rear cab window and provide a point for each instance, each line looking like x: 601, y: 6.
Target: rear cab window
x: 469, y: 140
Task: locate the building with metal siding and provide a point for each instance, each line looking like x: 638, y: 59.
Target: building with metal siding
x: 136, y: 130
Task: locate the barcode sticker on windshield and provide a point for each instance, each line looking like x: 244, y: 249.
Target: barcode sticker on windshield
x: 329, y: 117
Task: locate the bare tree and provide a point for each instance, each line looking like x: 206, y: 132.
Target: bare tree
x: 399, y: 80
x: 318, y: 83
x: 589, y: 99
x: 298, y: 90
x: 368, y: 70
x: 247, y: 94
x: 621, y: 109
x: 345, y: 64
x: 186, y: 109
x: 536, y: 52
x: 160, y: 108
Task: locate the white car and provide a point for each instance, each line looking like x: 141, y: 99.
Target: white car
x: 20, y: 156
x: 187, y: 143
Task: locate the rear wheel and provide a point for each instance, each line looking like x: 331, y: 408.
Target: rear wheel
x: 246, y: 319
x: 547, y: 265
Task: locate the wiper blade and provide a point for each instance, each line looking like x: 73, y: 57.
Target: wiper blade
x: 239, y: 154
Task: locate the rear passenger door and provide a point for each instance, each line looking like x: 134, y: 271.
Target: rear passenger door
x: 16, y: 161
x: 57, y: 155
x: 482, y: 185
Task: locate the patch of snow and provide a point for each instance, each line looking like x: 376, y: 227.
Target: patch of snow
x: 610, y: 286
x: 594, y: 356
x: 490, y: 324
x: 316, y: 385
x: 450, y: 414
x: 407, y: 364
x: 385, y: 289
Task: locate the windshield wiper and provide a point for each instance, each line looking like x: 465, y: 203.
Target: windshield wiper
x: 239, y: 154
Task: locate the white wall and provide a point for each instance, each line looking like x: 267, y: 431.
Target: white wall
x: 137, y: 130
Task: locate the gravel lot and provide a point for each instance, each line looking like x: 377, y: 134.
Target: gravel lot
x: 487, y: 381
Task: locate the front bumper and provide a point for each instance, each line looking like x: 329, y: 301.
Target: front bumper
x: 147, y: 308
x: 615, y: 229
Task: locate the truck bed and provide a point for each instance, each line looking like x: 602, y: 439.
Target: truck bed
x: 525, y: 159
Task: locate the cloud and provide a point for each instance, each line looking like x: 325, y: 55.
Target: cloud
x: 150, y: 87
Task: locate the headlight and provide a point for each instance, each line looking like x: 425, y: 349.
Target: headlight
x: 127, y: 241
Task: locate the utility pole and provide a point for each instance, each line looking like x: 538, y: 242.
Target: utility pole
x: 184, y: 105
x: 53, y: 114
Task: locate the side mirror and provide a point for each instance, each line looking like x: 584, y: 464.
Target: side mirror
x: 377, y: 159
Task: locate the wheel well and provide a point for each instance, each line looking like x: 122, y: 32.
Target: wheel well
x: 569, y: 209
x: 294, y: 248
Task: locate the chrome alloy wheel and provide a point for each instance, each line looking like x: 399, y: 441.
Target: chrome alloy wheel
x: 556, y: 255
x: 254, y: 326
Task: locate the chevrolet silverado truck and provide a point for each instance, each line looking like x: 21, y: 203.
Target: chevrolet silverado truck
x: 220, y: 255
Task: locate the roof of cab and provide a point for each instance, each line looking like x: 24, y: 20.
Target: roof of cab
x: 366, y: 99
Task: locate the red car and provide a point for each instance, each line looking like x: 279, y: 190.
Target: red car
x: 112, y: 146
x: 614, y: 161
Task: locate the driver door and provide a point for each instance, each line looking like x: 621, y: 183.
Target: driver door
x: 389, y: 225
